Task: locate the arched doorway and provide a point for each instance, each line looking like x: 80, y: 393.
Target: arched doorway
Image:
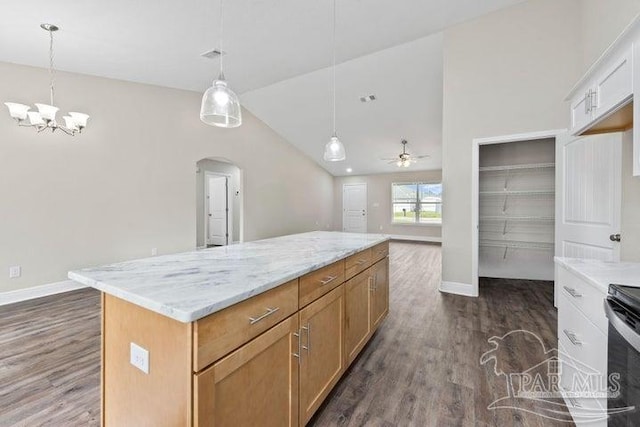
x: 218, y: 203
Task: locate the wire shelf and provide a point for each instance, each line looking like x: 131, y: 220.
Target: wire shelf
x: 517, y: 218
x: 512, y: 244
x: 517, y: 167
x: 518, y: 193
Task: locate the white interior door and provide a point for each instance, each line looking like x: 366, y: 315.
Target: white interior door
x: 354, y: 205
x: 588, y: 196
x: 218, y: 212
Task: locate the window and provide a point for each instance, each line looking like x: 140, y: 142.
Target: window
x: 416, y: 203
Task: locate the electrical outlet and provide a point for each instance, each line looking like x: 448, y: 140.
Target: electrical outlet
x: 139, y: 357
x: 15, y: 272
x: 154, y: 251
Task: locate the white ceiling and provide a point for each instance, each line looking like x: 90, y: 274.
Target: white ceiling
x: 160, y: 42
x: 407, y: 82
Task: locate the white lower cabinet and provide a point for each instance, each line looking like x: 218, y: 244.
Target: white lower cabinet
x: 582, y: 345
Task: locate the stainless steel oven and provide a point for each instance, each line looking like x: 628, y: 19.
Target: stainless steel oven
x: 622, y: 308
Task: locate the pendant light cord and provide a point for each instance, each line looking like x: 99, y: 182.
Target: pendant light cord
x: 334, y: 67
x: 51, y: 70
x: 221, y: 35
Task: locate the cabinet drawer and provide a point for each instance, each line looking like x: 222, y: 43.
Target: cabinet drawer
x: 319, y: 282
x: 587, y: 298
x: 357, y: 263
x: 379, y: 252
x: 226, y: 330
x: 578, y: 405
x: 584, y: 348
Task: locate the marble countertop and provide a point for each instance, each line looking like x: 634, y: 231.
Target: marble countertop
x: 601, y: 274
x: 189, y: 286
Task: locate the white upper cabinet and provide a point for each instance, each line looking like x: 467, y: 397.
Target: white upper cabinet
x: 602, y: 101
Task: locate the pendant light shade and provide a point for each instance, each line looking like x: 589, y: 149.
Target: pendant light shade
x: 221, y: 106
x: 334, y: 150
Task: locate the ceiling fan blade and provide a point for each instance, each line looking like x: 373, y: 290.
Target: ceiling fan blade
x: 422, y: 157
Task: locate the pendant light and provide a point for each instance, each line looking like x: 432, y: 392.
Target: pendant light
x: 220, y: 105
x: 334, y: 150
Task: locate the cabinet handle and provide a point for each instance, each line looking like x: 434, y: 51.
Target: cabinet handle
x: 270, y: 311
x: 375, y: 283
x: 594, y: 100
x: 307, y: 329
x: 572, y: 292
x: 572, y: 337
x: 586, y: 103
x: 298, y: 354
x: 327, y: 280
x: 370, y: 279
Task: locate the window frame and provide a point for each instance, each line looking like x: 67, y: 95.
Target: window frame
x: 416, y: 222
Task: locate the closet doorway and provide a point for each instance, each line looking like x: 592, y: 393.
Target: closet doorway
x: 536, y: 196
x: 513, y: 207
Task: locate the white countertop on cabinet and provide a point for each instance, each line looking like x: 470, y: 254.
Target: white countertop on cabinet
x: 191, y: 285
x: 601, y: 273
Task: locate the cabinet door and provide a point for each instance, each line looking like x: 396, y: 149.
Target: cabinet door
x: 255, y: 385
x: 581, y: 112
x: 322, y: 358
x: 358, y: 292
x: 380, y: 291
x: 614, y: 87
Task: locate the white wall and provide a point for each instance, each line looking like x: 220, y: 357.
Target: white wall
x: 379, y: 203
x: 128, y: 183
x: 602, y: 21
x: 505, y: 73
x: 216, y: 166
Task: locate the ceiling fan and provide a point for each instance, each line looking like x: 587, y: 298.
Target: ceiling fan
x: 404, y: 160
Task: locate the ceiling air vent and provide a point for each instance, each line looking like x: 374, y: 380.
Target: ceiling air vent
x: 212, y: 54
x: 368, y: 98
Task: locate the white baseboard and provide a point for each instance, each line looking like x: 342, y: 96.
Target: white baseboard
x: 416, y: 238
x: 11, y: 297
x: 465, y: 289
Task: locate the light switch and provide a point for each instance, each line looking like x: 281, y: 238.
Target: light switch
x: 139, y: 358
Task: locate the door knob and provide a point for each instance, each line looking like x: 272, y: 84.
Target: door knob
x: 615, y: 237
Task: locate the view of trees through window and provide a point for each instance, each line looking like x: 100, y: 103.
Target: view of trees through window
x: 417, y: 203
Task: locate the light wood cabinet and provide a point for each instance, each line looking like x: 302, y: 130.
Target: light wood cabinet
x: 322, y: 356
x: 217, y: 335
x: 379, y: 292
x: 358, y: 294
x: 256, y: 385
x: 270, y: 360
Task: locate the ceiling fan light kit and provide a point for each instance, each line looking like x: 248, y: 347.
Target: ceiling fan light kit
x: 45, y: 117
x: 220, y: 105
x: 404, y: 159
x: 334, y: 149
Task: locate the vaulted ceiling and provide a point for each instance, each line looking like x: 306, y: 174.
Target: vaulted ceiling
x: 272, y: 48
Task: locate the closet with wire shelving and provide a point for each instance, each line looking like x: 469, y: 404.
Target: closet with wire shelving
x: 517, y: 210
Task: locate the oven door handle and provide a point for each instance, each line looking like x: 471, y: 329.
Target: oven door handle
x: 621, y: 326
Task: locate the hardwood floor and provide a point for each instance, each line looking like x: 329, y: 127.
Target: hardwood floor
x: 50, y: 361
x: 422, y: 368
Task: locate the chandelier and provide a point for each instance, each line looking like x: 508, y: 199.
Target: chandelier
x: 45, y: 117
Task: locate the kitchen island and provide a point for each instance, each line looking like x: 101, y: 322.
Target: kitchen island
x: 251, y: 334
